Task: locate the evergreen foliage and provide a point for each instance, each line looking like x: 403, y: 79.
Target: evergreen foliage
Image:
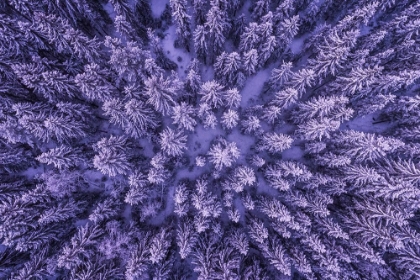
x: 209, y: 139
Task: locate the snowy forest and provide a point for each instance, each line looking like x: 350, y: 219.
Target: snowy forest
x: 210, y: 139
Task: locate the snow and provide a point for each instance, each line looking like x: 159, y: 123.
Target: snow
x: 365, y: 124
x: 31, y: 172
x: 296, y: 45
x: 253, y: 86
x: 158, y: 6
x: 199, y: 141
x: 293, y: 153
x: 110, y: 10
x: 179, y: 56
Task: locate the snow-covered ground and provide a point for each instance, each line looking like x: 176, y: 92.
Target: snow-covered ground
x: 179, y: 56
x: 158, y: 6
x: 253, y: 87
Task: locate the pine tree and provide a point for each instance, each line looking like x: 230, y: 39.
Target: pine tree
x: 137, y: 192
x: 173, y: 142
x: 268, y: 49
x: 159, y: 246
x: 275, y: 143
x: 204, y: 257
x: 200, y: 42
x: 280, y: 75
x: 285, y: 98
x: 261, y: 8
x: 186, y: 239
x: 205, y: 202
x: 302, y: 79
x: 63, y: 128
x: 364, y: 147
x: 34, y: 268
x: 217, y: 27
x: 104, y: 211
x: 182, y: 19
x: 61, y: 157
x: 212, y: 93
x: 223, y: 154
x: 251, y: 125
x: 161, y: 93
x: 73, y: 254
x: 250, y: 61
x: 127, y: 60
x: 358, y: 79
x: 193, y: 82
x: 228, y: 67
x: 232, y: 98
x: 112, y: 158
x: 200, y: 9
x: 320, y: 107
x: 61, y: 212
x: 276, y: 255
x: 288, y: 29
x: 318, y: 129
x: 227, y: 263
x: 249, y: 39
x: 243, y: 176
x: 230, y: 119
x: 182, y: 116
x: 181, y: 200
x: 138, y: 262
x: 93, y: 83
x: 139, y: 118
x: 238, y: 27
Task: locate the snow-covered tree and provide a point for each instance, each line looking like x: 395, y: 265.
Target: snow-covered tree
x: 112, y: 158
x: 251, y: 125
x: 250, y: 61
x: 280, y: 75
x: 212, y: 93
x: 161, y: 93
x: 318, y: 129
x: 232, y: 98
x: 182, y: 116
x: 288, y: 28
x: 205, y: 202
x: 223, y: 154
x: 74, y: 253
x: 93, y: 83
x: 185, y: 239
x: 137, y: 192
x: 275, y: 142
x: 217, y: 26
x: 243, y: 176
x: 182, y: 19
x: 227, y: 68
x: 104, y: 211
x: 230, y: 119
x: 285, y: 98
x: 302, y: 79
x: 200, y: 42
x: 363, y: 147
x: 139, y: 118
x: 159, y: 246
x: 61, y: 157
x: 138, y: 262
x: 63, y: 128
x: 320, y: 107
x: 173, y: 143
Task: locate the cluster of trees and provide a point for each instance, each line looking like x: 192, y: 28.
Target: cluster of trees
x: 114, y: 166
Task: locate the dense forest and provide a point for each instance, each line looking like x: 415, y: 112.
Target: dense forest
x: 209, y: 139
